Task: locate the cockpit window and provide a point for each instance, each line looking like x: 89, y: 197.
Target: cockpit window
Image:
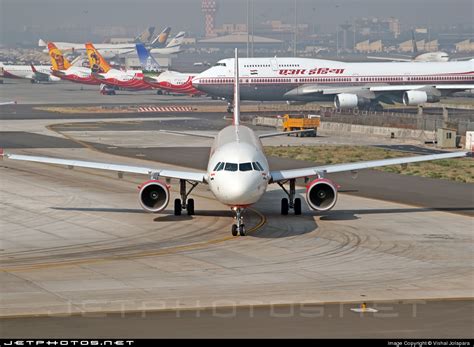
x: 220, y: 167
x: 245, y: 167
x: 257, y: 166
x: 219, y: 64
x: 230, y: 167
x: 217, y: 165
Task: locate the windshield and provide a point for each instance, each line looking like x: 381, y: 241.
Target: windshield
x: 230, y: 167
x: 245, y: 167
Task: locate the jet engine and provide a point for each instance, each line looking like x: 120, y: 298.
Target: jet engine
x: 321, y: 194
x: 154, y: 196
x: 417, y: 97
x: 345, y: 100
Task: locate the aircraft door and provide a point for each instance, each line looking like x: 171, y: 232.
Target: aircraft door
x: 274, y: 64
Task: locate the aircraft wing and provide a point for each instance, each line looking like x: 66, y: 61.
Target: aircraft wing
x: 38, y: 75
x: 309, y: 89
x: 281, y: 175
x: 184, y: 175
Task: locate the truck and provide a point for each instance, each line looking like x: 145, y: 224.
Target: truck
x: 301, y: 122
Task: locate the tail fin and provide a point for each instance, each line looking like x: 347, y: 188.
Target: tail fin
x: 161, y: 39
x: 413, y: 42
x: 41, y: 43
x: 96, y: 61
x: 146, y: 35
x: 236, y: 90
x: 148, y: 63
x: 177, y: 40
x: 58, y: 61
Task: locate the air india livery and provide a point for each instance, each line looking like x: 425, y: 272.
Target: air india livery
x: 238, y: 173
x: 348, y: 85
x: 63, y: 69
x: 104, y: 73
x: 34, y: 73
x: 170, y: 81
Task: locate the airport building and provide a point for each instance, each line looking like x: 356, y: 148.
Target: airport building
x: 369, y: 47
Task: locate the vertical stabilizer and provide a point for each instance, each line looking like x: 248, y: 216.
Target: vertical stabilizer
x: 236, y: 90
x: 96, y: 61
x: 147, y: 62
x: 413, y: 42
x: 161, y: 39
x: 58, y: 60
x: 145, y: 36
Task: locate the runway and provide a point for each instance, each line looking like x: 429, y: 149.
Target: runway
x: 77, y: 242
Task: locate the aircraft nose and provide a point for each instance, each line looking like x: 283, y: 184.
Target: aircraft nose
x: 246, y: 191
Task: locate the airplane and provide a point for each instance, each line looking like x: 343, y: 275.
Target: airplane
x: 63, y: 69
x: 237, y: 173
x: 105, y: 74
x: 348, y: 85
x: 35, y: 73
x: 438, y: 56
x: 110, y: 50
x: 170, y: 81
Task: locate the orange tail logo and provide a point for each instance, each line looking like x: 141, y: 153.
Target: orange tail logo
x: 96, y: 61
x: 58, y: 61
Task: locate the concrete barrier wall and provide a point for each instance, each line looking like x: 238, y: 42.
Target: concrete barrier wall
x: 422, y: 135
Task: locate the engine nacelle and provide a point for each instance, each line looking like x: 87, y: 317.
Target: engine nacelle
x: 345, y: 100
x: 418, y: 97
x: 321, y: 194
x: 154, y: 196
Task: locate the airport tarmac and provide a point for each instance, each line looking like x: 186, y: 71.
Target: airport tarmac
x: 77, y: 240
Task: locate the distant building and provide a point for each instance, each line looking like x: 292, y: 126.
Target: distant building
x: 465, y: 46
x: 394, y: 26
x: 369, y: 47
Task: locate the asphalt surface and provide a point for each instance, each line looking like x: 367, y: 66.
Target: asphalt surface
x: 417, y: 319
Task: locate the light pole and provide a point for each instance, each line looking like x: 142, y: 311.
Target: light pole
x: 296, y: 30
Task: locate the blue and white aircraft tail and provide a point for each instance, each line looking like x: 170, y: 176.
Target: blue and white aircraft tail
x: 147, y: 62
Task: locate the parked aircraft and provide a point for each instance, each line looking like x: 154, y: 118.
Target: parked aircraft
x: 237, y: 173
x: 109, y: 50
x: 170, y: 81
x: 348, y: 85
x: 34, y: 73
x: 103, y: 72
x: 65, y: 71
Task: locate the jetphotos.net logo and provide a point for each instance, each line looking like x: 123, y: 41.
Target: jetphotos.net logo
x: 315, y: 71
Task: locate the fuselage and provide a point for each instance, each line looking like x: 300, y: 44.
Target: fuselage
x: 279, y: 78
x: 24, y: 71
x: 237, y: 171
x: 172, y: 81
x: 77, y: 74
x: 129, y: 79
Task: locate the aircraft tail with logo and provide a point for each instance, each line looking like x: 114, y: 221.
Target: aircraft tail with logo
x: 96, y: 61
x: 147, y: 62
x: 177, y: 41
x: 58, y: 61
x: 145, y: 36
x: 160, y: 40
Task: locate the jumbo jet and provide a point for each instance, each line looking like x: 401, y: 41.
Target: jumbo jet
x: 34, y: 73
x: 104, y: 73
x: 237, y: 173
x: 63, y: 69
x: 170, y: 81
x: 348, y: 85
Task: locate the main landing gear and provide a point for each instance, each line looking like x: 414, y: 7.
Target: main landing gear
x: 184, y: 203
x: 239, y: 227
x: 291, y: 202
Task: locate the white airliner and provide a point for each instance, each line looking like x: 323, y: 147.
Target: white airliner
x: 237, y: 173
x: 34, y: 73
x: 348, y: 85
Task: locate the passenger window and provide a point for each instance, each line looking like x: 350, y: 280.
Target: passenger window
x: 217, y: 165
x: 230, y: 167
x: 245, y: 167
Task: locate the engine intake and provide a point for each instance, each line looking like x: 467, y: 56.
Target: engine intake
x: 321, y: 194
x: 345, y: 100
x: 418, y: 97
x: 154, y: 196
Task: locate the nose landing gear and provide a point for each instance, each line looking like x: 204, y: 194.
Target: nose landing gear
x: 239, y: 227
